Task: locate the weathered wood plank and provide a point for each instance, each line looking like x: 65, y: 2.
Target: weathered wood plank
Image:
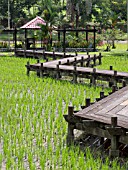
x: 114, y: 105
x: 102, y: 103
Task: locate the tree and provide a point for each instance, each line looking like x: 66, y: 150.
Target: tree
x: 74, y: 12
x: 77, y: 9
x: 17, y: 8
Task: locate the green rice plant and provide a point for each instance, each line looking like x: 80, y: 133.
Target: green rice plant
x: 1, y: 160
x: 32, y: 128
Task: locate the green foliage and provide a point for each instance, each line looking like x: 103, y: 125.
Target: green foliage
x: 3, y: 45
x: 73, y: 13
x: 110, y: 35
x: 81, y: 42
x: 78, y: 43
x: 57, y: 44
x: 19, y: 45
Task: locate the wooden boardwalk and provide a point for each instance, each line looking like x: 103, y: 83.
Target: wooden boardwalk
x: 41, y: 54
x: 107, y: 118
x: 69, y: 59
x: 115, y: 105
x: 69, y: 66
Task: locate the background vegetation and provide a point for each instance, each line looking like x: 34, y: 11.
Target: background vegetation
x: 61, y: 12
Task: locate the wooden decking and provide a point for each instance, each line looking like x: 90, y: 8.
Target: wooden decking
x: 69, y: 59
x: 74, y: 66
x: 107, y: 118
x: 41, y: 54
x: 115, y: 105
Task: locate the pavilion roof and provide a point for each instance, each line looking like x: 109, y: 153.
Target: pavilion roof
x: 34, y: 23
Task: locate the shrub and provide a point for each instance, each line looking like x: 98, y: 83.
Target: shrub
x: 57, y: 44
x: 19, y: 45
x: 3, y: 45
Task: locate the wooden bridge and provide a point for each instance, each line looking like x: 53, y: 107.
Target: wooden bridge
x: 73, y: 65
x: 41, y: 54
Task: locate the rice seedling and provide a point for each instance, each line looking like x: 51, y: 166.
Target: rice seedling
x: 32, y: 128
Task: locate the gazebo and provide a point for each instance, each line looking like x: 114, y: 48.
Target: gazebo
x: 34, y: 24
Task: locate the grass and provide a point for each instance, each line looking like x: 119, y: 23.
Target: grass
x: 32, y: 128
x: 118, y: 58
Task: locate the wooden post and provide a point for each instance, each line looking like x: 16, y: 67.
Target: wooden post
x: 25, y: 38
x: 101, y: 95
x: 94, y: 59
x: 46, y: 59
x: 114, y: 88
x: 54, y: 56
x: 94, y: 76
x: 114, y: 152
x: 70, y: 135
x: 88, y: 102
x: 64, y: 54
x: 44, y: 55
x: 58, y: 33
x: 94, y: 39
x: 38, y: 71
x: 101, y: 140
x: 64, y: 37
x: 67, y: 61
x: 75, y: 60
x: 111, y: 82
x: 15, y: 39
x: 115, y: 73
x: 114, y: 78
x: 82, y: 61
x: 59, y: 62
x: 41, y: 70
x: 88, y: 61
x: 123, y: 83
x: 57, y: 72
x: 87, y: 33
x: 58, y: 76
x: 28, y: 68
x: 100, y: 56
x: 111, y: 67
x: 75, y: 75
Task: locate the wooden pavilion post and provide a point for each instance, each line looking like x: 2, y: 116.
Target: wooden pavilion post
x: 94, y: 39
x: 25, y: 38
x: 87, y: 33
x: 15, y: 39
x: 64, y: 37
x: 59, y: 33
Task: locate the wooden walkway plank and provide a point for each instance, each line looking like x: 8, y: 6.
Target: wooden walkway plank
x: 81, y: 70
x: 104, y: 101
x: 115, y: 105
x: 85, y: 72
